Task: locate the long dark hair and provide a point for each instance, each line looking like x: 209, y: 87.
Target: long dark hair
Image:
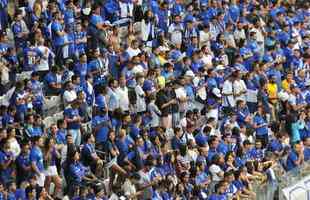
x: 47, y: 153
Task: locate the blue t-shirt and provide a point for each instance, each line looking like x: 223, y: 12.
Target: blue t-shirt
x: 100, y: 101
x: 36, y: 156
x: 17, y: 29
x: 69, y: 16
x: 123, y: 147
x: 87, y: 152
x: 259, y: 120
x: 61, y: 136
x: 102, y: 133
x: 71, y: 113
x: 36, y: 131
x: 57, y: 40
x: 176, y: 143
x: 242, y: 114
x: 6, y: 174
x: 94, y: 20
x: 77, y: 172
x: 275, y: 145
x: 22, y: 162
x: 212, y: 153
x: 80, y: 47
x: 201, y: 139
x: 218, y: 197
x: 31, y: 55
x: 94, y: 65
x: 291, y: 159
x: 307, y: 153
x: 223, y: 148
x: 7, y: 119
x: 80, y: 69
x: 256, y: 154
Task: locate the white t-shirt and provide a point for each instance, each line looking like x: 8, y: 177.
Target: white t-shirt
x: 138, y: 69
x: 207, y: 59
x: 239, y: 86
x: 229, y: 100
x: 176, y: 33
x: 140, y: 106
x: 122, y: 94
x: 259, y: 35
x: 204, y: 38
x: 14, y: 147
x: 4, y: 75
x: 292, y: 100
x: 69, y: 96
x: 133, y: 52
x: 43, y: 65
x: 181, y: 93
x: 214, y: 170
x: 125, y: 9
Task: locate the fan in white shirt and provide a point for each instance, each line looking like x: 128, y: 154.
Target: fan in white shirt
x: 46, y: 52
x: 228, y: 93
x: 140, y: 105
x: 133, y: 50
x: 205, y: 37
x: 207, y: 56
x: 122, y: 94
x: 240, y: 89
x: 126, y: 9
x: 69, y: 94
x: 176, y: 31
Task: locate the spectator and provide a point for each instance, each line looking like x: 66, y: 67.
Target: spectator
x: 172, y: 100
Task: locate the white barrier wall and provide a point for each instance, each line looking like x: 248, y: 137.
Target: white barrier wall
x: 299, y: 191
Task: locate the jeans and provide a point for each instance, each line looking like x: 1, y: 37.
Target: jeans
x: 76, y: 135
x: 175, y: 119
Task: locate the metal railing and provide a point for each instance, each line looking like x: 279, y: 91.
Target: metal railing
x: 273, y: 189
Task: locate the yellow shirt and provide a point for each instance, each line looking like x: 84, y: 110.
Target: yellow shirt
x: 161, y: 81
x: 272, y: 90
x: 162, y: 60
x: 286, y: 85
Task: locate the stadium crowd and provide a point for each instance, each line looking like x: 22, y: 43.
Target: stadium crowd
x: 160, y: 99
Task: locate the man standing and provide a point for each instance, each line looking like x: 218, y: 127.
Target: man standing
x: 36, y: 158
x: 58, y: 34
x: 73, y: 120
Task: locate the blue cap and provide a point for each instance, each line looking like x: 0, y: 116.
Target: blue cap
x: 189, y: 18
x: 175, y: 55
x: 244, y: 51
x: 267, y: 58
x: 160, y: 31
x: 100, y: 101
x: 131, y: 83
x: 111, y: 6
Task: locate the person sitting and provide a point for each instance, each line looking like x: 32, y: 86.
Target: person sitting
x: 90, y: 157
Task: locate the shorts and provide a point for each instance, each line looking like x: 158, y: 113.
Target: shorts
x: 51, y: 171
x: 40, y: 179
x: 111, y: 163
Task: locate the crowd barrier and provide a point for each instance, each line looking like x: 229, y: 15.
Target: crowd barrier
x: 291, y: 185
x: 295, y: 184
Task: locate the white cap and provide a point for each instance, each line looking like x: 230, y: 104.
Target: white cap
x: 283, y: 96
x: 189, y: 73
x: 107, y: 22
x: 217, y: 92
x: 86, y: 11
x: 219, y: 67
